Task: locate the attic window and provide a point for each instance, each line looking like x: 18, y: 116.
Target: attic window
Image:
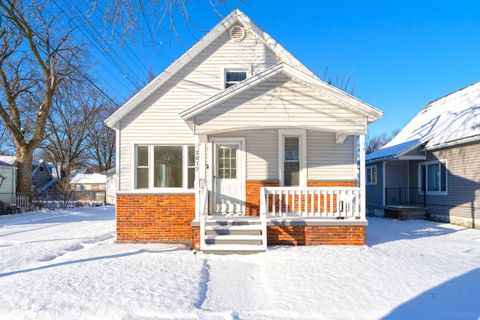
x: 234, y: 77
x: 237, y: 33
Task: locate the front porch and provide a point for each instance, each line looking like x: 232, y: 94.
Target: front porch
x: 287, y: 216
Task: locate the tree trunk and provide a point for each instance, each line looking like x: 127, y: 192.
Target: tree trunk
x: 24, y: 165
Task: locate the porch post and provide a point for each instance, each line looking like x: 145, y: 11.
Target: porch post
x: 200, y: 170
x: 363, y: 205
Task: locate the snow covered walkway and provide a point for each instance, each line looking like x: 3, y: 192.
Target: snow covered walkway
x: 66, y: 265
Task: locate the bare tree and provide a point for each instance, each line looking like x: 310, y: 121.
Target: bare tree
x: 343, y: 82
x: 66, y: 146
x: 148, y: 18
x: 101, y: 140
x: 36, y: 55
x: 376, y: 142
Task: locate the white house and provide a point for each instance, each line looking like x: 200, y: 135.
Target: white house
x: 236, y: 145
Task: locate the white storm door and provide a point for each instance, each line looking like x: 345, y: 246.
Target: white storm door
x: 228, y: 177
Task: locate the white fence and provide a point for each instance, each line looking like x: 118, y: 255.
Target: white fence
x: 325, y: 202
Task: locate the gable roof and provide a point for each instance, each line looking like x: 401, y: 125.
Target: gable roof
x: 235, y: 17
x: 342, y: 97
x: 450, y: 120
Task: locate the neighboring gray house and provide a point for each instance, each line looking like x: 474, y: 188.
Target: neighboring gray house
x: 433, y: 164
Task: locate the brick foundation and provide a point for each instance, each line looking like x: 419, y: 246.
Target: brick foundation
x: 315, y: 235
x: 195, y: 238
x: 168, y: 218
x: 155, y: 218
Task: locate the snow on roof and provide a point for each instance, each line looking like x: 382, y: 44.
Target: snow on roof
x: 5, y: 164
x: 447, y: 120
x: 89, y: 178
x: 387, y: 152
x: 8, y: 159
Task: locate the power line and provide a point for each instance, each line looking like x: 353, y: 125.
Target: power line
x: 109, y: 53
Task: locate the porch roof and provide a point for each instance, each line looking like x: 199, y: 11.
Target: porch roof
x: 321, y: 104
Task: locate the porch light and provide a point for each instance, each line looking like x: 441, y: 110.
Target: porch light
x: 1, y: 179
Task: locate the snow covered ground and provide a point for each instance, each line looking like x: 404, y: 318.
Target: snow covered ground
x: 64, y: 264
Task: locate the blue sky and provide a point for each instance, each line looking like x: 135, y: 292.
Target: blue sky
x: 399, y: 55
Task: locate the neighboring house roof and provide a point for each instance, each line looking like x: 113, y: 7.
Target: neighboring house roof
x: 40, y: 163
x: 8, y: 159
x: 92, y: 178
x: 236, y: 17
x: 5, y: 164
x: 46, y: 185
x: 450, y: 120
x: 342, y: 97
x: 11, y: 160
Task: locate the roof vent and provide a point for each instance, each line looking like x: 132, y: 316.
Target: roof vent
x: 237, y: 33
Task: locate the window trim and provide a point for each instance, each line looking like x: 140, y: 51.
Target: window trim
x: 366, y: 175
x: 302, y: 135
x: 233, y: 69
x: 419, y: 180
x: 151, y: 170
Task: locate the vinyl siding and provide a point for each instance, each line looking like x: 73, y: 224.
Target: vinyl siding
x: 328, y: 160
x: 396, y: 174
x: 374, y: 196
x: 463, y: 182
x: 7, y: 188
x: 280, y: 100
x: 261, y: 148
x: 156, y: 120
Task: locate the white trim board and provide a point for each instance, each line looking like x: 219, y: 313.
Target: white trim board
x: 302, y: 134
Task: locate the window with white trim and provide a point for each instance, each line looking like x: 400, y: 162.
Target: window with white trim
x: 432, y: 177
x: 232, y: 77
x: 291, y: 161
x: 142, y: 168
x: 371, y: 173
x: 164, y: 167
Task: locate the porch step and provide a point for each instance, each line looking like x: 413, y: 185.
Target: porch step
x: 234, y: 235
x: 234, y: 227
x: 234, y: 239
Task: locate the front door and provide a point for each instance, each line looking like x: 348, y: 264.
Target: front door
x: 228, y: 177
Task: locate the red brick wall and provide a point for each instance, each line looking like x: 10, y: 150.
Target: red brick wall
x: 155, y: 218
x: 315, y: 235
x: 252, y: 195
x: 195, y: 238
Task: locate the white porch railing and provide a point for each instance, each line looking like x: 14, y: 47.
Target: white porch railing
x: 324, y: 202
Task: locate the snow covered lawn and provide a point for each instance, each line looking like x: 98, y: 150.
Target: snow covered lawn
x: 64, y: 264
